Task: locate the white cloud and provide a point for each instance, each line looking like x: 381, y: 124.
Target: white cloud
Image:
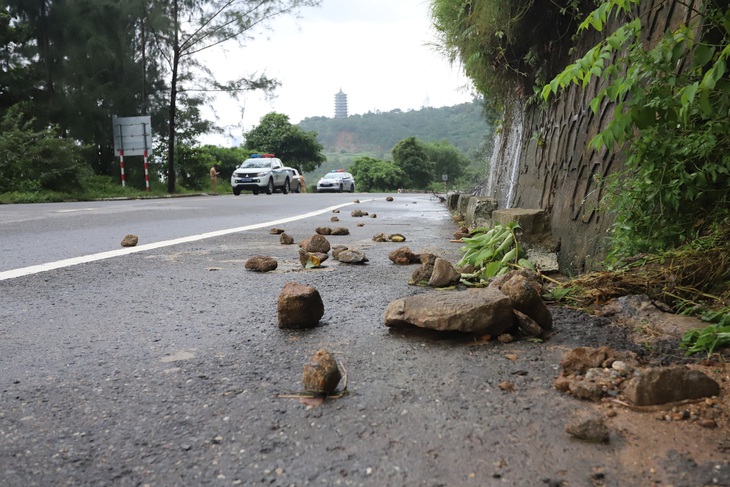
x: 377, y: 52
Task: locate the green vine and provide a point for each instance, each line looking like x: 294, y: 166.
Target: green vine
x: 492, y: 252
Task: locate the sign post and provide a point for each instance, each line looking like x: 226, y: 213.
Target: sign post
x: 133, y: 137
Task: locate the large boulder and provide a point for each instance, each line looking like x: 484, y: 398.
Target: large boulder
x: 299, y: 306
x: 482, y: 311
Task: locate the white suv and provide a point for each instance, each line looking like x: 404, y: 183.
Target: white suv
x: 337, y: 180
x: 261, y: 172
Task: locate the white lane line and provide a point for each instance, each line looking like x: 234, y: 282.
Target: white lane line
x: 35, y: 269
x: 78, y: 209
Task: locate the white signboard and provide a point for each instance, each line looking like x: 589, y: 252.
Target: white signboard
x: 133, y: 135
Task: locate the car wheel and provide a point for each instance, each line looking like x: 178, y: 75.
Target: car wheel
x: 270, y: 186
x: 255, y: 191
x: 236, y: 191
x: 287, y: 186
x: 352, y: 188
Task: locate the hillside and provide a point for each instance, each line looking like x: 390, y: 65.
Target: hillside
x: 374, y: 134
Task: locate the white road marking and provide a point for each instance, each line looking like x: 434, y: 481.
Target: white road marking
x: 78, y: 209
x: 36, y: 269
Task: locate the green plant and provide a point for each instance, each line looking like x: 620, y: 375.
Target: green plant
x: 492, y: 252
x: 671, y: 104
x: 710, y: 338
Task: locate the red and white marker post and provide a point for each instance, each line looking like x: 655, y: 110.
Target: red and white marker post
x: 121, y: 165
x: 146, y: 172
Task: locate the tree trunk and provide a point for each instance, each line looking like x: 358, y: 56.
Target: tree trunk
x: 172, y: 114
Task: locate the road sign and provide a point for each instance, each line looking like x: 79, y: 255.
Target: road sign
x: 132, y: 135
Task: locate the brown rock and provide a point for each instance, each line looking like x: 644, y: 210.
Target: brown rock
x: 427, y: 258
x: 403, y: 256
x: 661, y: 385
x: 299, y: 306
x: 334, y: 219
x: 323, y: 230
x: 380, y: 237
x: 276, y: 231
x: 422, y: 275
x: 388, y: 198
x: 317, y: 243
x: 524, y: 292
x: 588, y: 426
x: 579, y: 360
x: 358, y: 213
x: 481, y: 311
x: 130, y: 240
x: 336, y: 249
x: 285, y: 239
x: 340, y: 231
x: 527, y: 325
x: 351, y: 256
x: 443, y: 274
x: 360, y: 224
x: 373, y: 215
x: 261, y: 263
x: 335, y: 211
x: 311, y: 259
x: 321, y: 374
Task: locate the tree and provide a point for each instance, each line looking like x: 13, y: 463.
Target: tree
x: 195, y: 26
x: 374, y: 174
x: 291, y: 144
x: 410, y: 156
x: 447, y: 160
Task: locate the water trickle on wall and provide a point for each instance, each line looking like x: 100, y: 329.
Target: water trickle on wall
x: 505, y: 163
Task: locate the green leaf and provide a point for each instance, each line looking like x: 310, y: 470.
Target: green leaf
x: 703, y: 54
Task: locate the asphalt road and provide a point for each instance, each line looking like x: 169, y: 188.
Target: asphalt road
x: 162, y: 367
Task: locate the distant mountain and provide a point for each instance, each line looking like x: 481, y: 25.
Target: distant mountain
x: 464, y: 126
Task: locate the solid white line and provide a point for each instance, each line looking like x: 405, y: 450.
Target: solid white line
x: 35, y: 269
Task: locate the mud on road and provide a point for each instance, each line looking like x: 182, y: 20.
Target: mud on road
x: 163, y: 368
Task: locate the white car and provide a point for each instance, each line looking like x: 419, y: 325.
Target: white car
x: 261, y: 172
x: 297, y: 180
x: 336, y: 181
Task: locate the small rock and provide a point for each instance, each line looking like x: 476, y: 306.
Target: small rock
x: 396, y: 237
x: 403, y: 256
x: 422, y: 275
x: 361, y: 224
x: 323, y: 230
x: 299, y: 306
x: 373, y: 215
x: 321, y: 374
x: 506, y: 386
x: 261, y: 263
x: 130, y: 240
x: 524, y: 290
x: 388, y: 198
x: 276, y: 231
x: 380, y: 237
x: 505, y: 338
x: 461, y: 233
x: 340, y: 231
x: 660, y: 385
x: 349, y: 256
x: 316, y: 243
x: 285, y: 239
x: 589, y: 427
x: 708, y: 423
x: 334, y: 219
x: 335, y: 211
x: 311, y: 259
x: 336, y: 249
x: 359, y: 213
x: 527, y: 325
x: 427, y: 258
x: 356, y: 201
x: 443, y: 274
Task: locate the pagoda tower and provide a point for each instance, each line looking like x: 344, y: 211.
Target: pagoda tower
x: 340, y: 105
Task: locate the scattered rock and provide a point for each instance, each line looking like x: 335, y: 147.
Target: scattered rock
x: 285, y: 239
x: 335, y: 211
x: 527, y: 325
x: 336, y: 249
x: 359, y: 213
x: 579, y: 360
x: 311, y: 259
x: 321, y: 374
x: 388, y: 198
x: 276, y: 231
x: 422, y: 275
x: 360, y: 224
x: 588, y: 426
x: 130, y: 240
x: 340, y: 231
x: 316, y: 243
x: 351, y: 256
x: 373, y: 215
x: 396, y: 237
x: 299, y: 306
x: 334, y: 219
x: 482, y: 311
x: 261, y: 263
x: 588, y: 373
x: 505, y: 338
x: 461, y: 233
x: 427, y: 258
x: 443, y: 274
x: 524, y: 290
x: 380, y: 237
x: 506, y: 386
x: 356, y: 201
x: 660, y: 385
x: 323, y: 230
x: 403, y: 256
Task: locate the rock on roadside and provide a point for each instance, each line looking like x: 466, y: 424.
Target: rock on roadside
x: 660, y: 385
x: 482, y: 311
x: 299, y: 306
x: 321, y: 374
x: 261, y: 263
x: 130, y: 240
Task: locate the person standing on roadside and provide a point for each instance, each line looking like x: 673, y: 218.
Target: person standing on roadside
x: 214, y: 173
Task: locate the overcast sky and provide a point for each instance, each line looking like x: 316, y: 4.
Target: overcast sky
x: 376, y: 51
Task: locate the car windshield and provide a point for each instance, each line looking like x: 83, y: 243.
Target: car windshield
x: 256, y: 163
x: 334, y: 175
